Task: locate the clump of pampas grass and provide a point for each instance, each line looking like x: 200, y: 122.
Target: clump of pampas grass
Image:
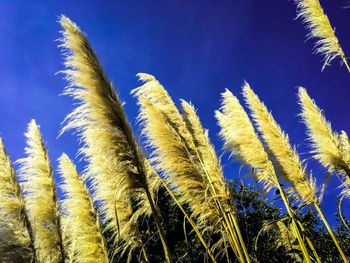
x: 286, y: 156
x: 182, y: 152
x: 241, y: 140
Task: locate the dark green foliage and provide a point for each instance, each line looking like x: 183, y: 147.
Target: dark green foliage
x: 322, y: 240
x: 253, y: 212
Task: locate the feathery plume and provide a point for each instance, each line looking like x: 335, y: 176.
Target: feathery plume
x: 211, y: 165
x: 40, y: 197
x: 183, y: 153
x: 172, y: 157
x: 345, y: 153
x: 206, y: 151
x: 280, y: 148
x: 82, y: 230
x: 166, y: 133
x: 186, y: 132
x: 16, y: 243
x: 241, y: 140
x: 325, y: 143
x: 317, y: 22
x: 116, y: 166
x: 332, y: 150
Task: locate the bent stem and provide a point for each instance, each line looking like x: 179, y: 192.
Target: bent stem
x: 330, y: 232
x: 189, y: 219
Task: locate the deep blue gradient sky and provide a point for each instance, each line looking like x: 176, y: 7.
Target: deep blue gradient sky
x: 195, y: 48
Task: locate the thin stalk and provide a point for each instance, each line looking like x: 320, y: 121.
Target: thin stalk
x: 294, y: 225
x: 234, y: 237
x: 341, y: 213
x: 227, y: 256
x: 330, y: 232
x: 159, y: 227
x: 240, y: 237
x: 314, y: 250
x: 58, y: 220
x: 241, y: 244
x: 189, y: 219
x: 311, y: 245
x: 143, y: 249
x: 27, y: 222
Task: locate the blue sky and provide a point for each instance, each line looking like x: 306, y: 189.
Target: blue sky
x: 195, y: 48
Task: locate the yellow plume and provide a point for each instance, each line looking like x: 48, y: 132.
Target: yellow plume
x: 82, y: 230
x: 154, y: 92
x: 173, y: 158
x: 279, y: 146
x: 210, y: 161
x: 116, y: 166
x: 167, y: 134
x: 345, y: 153
x: 16, y: 238
x: 328, y: 147
x: 181, y: 138
x: 241, y: 140
x: 317, y: 22
x: 40, y: 198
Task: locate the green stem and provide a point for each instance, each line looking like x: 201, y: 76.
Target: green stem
x: 330, y: 232
x: 310, y: 245
x: 57, y: 218
x: 240, y: 244
x: 294, y: 225
x: 235, y: 223
x: 233, y: 235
